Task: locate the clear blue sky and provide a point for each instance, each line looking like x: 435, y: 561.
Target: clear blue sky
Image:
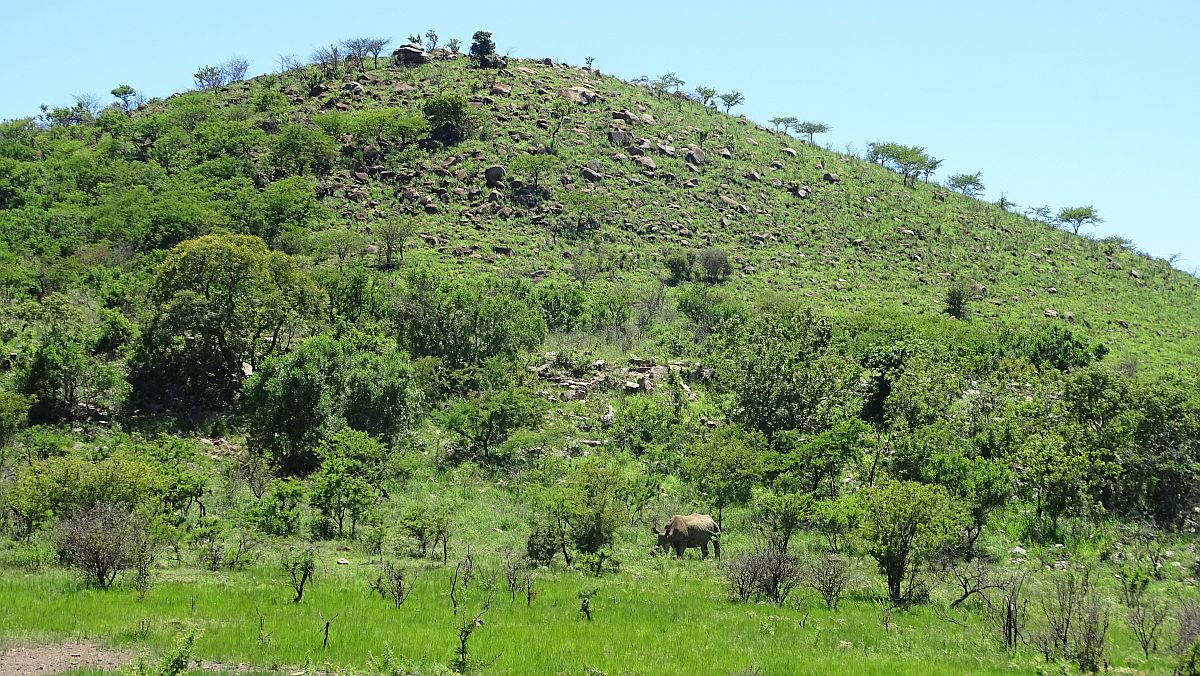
x: 1057, y: 102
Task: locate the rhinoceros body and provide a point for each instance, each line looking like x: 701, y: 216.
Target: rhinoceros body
x: 693, y: 530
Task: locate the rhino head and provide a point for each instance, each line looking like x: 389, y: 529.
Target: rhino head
x: 663, y: 541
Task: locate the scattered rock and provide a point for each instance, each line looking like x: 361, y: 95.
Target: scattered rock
x: 343, y: 562
x: 831, y: 178
x: 590, y: 175
x: 579, y: 95
x: 1051, y: 313
x: 789, y: 151
x: 620, y: 137
x: 500, y: 89
x: 694, y: 156
x: 1134, y: 273
x: 494, y: 174
x: 646, y: 162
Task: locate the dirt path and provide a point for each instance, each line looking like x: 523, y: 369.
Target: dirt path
x: 57, y: 658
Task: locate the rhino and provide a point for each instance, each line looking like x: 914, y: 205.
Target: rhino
x: 693, y: 530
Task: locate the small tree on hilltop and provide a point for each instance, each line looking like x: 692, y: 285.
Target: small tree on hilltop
x: 1077, y: 217
x: 127, y: 95
x: 811, y: 128
x: 482, y: 47
x: 732, y: 99
x: 968, y: 184
x: 706, y: 95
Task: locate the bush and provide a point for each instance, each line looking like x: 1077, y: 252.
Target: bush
x: 828, y: 575
x: 764, y: 573
x: 101, y: 541
x: 449, y: 117
x: 679, y: 266
x: 714, y: 265
x: 956, y: 301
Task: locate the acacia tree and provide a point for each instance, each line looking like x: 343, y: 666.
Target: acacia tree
x: 732, y: 99
x: 374, y: 47
x: 706, y: 96
x: 392, y: 237
x: 358, y: 49
x: 1077, y: 217
x: 908, y: 161
x: 968, y: 184
x: 811, y: 128
x: 127, y: 95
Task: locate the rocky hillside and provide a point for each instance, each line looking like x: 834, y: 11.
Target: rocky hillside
x: 634, y: 178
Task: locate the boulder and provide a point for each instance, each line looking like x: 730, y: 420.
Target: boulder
x: 789, y: 151
x: 410, y: 55
x: 590, y: 175
x: 831, y: 178
x: 694, y: 156
x: 500, y: 89
x: 620, y: 137
x: 579, y: 95
x: 494, y: 174
x: 646, y: 162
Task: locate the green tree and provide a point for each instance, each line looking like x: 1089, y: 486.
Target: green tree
x: 968, y: 184
x: 449, y: 117
x: 909, y: 161
x: 535, y: 166
x: 782, y: 374
x: 957, y: 296
x: 484, y: 422
x: 727, y: 466
x: 779, y: 515
x: 732, y: 99
x: 905, y: 522
x: 223, y: 305
x: 811, y: 128
x: 348, y: 484
x: 1077, y: 217
x: 126, y: 95
x: 297, y: 149
x: 706, y: 96
x: 482, y: 48
x: 323, y: 385
x: 393, y: 237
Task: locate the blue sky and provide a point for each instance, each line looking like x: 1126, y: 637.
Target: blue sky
x: 1057, y: 102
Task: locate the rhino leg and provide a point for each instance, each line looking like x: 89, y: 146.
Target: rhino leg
x: 704, y: 551
x: 716, y: 543
x: 679, y: 549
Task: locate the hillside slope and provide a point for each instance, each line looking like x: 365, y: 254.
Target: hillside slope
x: 866, y: 241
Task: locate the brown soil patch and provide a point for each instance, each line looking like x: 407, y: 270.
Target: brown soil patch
x: 59, y: 657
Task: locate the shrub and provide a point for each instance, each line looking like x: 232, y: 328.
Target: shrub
x: 956, y: 301
x: 763, y: 573
x: 449, y: 117
x: 101, y: 541
x: 714, y: 265
x: 679, y: 266
x: 828, y: 575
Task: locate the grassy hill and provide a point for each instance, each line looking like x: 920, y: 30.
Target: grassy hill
x: 864, y: 242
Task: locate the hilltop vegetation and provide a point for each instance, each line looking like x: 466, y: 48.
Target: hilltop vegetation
x: 453, y: 316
